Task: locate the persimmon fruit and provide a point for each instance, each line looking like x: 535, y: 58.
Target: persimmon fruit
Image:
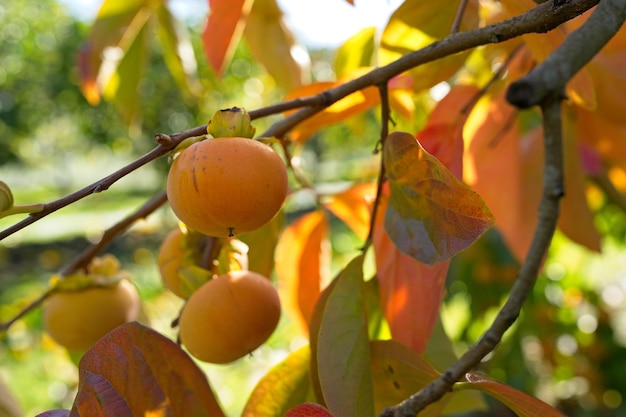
x: 226, y: 186
x: 229, y: 316
x: 78, y: 319
x: 170, y: 260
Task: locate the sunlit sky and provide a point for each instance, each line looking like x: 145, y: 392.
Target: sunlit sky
x: 316, y: 23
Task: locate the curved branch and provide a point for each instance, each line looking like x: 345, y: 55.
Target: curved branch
x: 546, y: 225
x: 542, y: 18
x: 553, y: 73
x: 166, y: 144
x: 543, y: 85
x: 85, y: 257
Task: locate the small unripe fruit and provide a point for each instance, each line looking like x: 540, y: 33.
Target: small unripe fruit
x: 229, y: 317
x: 226, y: 186
x: 78, y: 319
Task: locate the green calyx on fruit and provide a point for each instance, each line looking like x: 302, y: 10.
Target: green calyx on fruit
x: 231, y: 122
x: 6, y: 197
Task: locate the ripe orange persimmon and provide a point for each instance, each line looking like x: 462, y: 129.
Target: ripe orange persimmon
x: 229, y: 317
x: 78, y: 319
x: 224, y: 186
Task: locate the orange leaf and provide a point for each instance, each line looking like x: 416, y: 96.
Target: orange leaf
x: 431, y: 214
x: 410, y: 291
x: 135, y: 371
x: 353, y: 206
x: 498, y: 162
x: 223, y: 29
x: 576, y: 220
x: 348, y: 106
x: 303, y: 265
x: 607, y: 136
x: 519, y: 402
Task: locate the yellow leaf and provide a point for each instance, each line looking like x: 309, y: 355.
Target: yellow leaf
x: 272, y: 43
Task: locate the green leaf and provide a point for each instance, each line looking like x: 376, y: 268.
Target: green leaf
x: 115, y: 31
x: 519, y: 402
x: 343, y: 350
x: 135, y: 371
x: 431, y: 214
x: 417, y: 24
x: 356, y: 52
x: 283, y: 387
x: 121, y: 88
x: 178, y: 51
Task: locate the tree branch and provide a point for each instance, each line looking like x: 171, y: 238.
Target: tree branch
x: 82, y: 260
x: 570, y: 57
x: 548, y: 215
x: 544, y: 85
x: 540, y: 19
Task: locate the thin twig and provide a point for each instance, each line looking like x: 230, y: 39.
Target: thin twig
x: 546, y: 225
x: 30, y: 307
x: 548, y: 95
x: 459, y: 16
x: 385, y: 112
x: 82, y: 260
x: 105, y: 182
x: 540, y: 19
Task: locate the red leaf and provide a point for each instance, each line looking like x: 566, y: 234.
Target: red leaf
x: 303, y: 265
x: 431, y: 214
x: 135, y: 371
x: 442, y: 136
x: 411, y: 291
x: 519, y: 402
x: 308, y: 410
x: 223, y: 30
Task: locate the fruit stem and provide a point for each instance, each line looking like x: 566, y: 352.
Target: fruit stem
x: 26, y: 208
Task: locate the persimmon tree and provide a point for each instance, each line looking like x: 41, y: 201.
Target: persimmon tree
x: 532, y: 107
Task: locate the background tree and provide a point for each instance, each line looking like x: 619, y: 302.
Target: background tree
x: 434, y: 244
